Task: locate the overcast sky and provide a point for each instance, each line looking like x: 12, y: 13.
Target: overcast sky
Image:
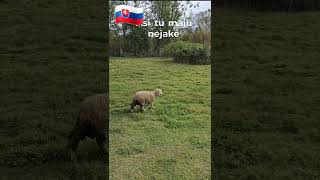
x: 203, y: 5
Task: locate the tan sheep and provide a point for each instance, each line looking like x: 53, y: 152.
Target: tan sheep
x: 145, y: 98
x: 91, y: 122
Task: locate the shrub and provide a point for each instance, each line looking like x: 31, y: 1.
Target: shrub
x: 185, y: 52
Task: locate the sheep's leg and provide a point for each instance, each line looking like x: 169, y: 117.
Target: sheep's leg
x: 74, y: 139
x: 144, y: 109
x: 76, y: 135
x: 101, y: 141
x: 132, y: 105
x: 141, y: 107
x: 149, y: 105
x: 73, y: 144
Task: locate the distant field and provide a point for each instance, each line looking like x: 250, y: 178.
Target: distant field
x: 171, y: 141
x: 266, y: 95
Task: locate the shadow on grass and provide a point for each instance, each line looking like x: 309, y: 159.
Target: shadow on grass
x: 127, y: 111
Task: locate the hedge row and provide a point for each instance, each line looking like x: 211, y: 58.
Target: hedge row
x: 185, y: 52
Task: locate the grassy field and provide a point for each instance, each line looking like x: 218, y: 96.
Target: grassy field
x: 52, y: 55
x: 171, y: 141
x: 266, y: 95
x: 266, y: 101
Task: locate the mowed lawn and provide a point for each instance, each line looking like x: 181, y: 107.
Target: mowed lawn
x: 171, y: 141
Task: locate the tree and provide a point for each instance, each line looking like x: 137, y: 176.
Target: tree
x: 167, y: 11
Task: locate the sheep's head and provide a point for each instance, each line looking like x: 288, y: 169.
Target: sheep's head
x: 158, y: 92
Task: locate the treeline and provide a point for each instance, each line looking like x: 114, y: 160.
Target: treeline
x: 272, y: 5
x: 131, y: 40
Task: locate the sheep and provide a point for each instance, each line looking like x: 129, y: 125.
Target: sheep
x: 145, y: 98
x: 91, y: 122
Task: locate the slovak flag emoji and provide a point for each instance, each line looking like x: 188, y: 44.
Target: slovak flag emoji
x: 129, y: 14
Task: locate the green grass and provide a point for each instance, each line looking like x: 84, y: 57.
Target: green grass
x: 266, y: 95
x: 266, y: 79
x: 171, y: 141
x: 52, y: 55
